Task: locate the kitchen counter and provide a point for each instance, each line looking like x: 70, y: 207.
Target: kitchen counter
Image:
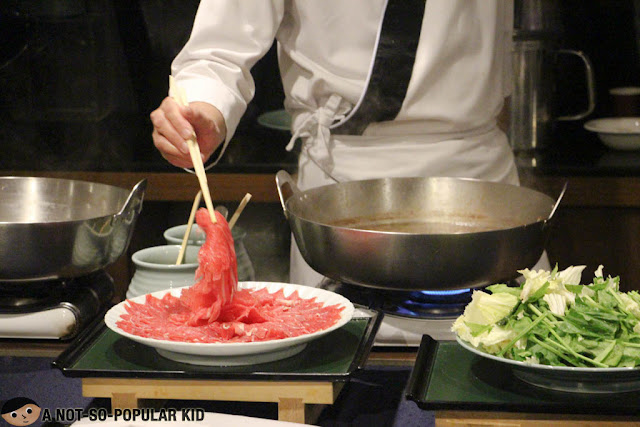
x: 597, y: 176
x: 574, y: 151
x: 249, y: 165
x: 374, y: 396
x: 594, y: 225
x: 599, y: 217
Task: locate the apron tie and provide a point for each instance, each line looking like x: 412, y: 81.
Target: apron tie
x: 315, y: 128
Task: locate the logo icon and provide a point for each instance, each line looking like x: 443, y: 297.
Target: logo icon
x: 20, y: 411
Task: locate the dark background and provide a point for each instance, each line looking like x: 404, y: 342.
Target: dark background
x: 78, y: 79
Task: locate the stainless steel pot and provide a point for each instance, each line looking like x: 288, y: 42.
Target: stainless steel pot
x: 56, y: 228
x: 417, y: 233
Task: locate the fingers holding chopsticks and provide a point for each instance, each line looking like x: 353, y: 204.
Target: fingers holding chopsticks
x: 171, y: 129
x: 180, y: 96
x: 174, y: 124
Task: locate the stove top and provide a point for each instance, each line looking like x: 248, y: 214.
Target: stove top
x: 56, y: 309
x: 408, y: 315
x: 427, y: 305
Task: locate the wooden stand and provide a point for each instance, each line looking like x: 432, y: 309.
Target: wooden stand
x: 291, y: 396
x: 504, y: 419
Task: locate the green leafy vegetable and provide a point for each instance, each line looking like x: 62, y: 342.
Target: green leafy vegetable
x: 552, y: 319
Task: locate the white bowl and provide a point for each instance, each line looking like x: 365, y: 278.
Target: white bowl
x: 156, y: 269
x: 619, y: 133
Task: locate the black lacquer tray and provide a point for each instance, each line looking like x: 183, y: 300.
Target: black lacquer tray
x: 100, y: 352
x: 448, y: 377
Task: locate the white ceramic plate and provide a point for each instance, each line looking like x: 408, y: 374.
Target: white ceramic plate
x: 567, y: 378
x: 237, y: 353
x: 620, y: 133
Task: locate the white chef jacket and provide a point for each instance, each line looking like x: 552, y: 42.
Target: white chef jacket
x: 446, y: 125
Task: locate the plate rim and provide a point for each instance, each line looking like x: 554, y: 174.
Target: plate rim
x: 544, y: 368
x: 230, y: 349
x: 593, y: 125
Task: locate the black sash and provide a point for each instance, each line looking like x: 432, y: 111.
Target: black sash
x: 392, y: 66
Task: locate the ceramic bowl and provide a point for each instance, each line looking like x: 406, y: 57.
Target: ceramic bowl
x: 246, y: 272
x: 156, y: 269
x: 174, y: 235
x: 619, y: 133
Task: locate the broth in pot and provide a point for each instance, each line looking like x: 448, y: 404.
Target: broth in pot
x: 414, y: 225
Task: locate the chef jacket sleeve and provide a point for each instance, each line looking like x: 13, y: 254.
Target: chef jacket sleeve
x: 228, y: 37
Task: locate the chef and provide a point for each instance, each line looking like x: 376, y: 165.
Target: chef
x: 375, y: 88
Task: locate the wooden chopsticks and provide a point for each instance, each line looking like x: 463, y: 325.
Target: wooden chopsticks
x: 192, y: 215
x: 185, y: 239
x: 180, y: 96
x: 238, y: 211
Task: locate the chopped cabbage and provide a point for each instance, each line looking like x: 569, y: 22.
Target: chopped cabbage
x: 485, y: 309
x: 552, y: 319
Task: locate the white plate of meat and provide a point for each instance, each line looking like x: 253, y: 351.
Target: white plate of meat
x: 268, y: 321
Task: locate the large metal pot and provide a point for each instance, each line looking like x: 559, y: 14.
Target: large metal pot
x: 417, y: 233
x: 57, y: 228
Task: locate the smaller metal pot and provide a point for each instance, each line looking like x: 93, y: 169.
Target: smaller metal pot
x: 57, y: 228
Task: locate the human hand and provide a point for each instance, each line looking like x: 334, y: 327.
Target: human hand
x: 173, y: 125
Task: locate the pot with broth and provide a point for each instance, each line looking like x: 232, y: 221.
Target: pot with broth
x: 417, y: 233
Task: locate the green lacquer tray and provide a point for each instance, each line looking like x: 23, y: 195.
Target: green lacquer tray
x: 448, y: 377
x: 100, y: 352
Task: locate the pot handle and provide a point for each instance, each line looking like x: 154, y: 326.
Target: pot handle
x: 590, y: 82
x: 286, y: 189
x: 557, y: 203
x: 134, y: 201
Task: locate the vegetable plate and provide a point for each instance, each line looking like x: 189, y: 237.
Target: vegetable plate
x: 556, y: 332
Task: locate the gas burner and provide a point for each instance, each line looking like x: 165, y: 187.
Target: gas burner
x: 407, y: 304
x: 16, y: 297
x: 54, y: 308
x: 26, y: 297
x: 441, y: 297
x: 409, y: 308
